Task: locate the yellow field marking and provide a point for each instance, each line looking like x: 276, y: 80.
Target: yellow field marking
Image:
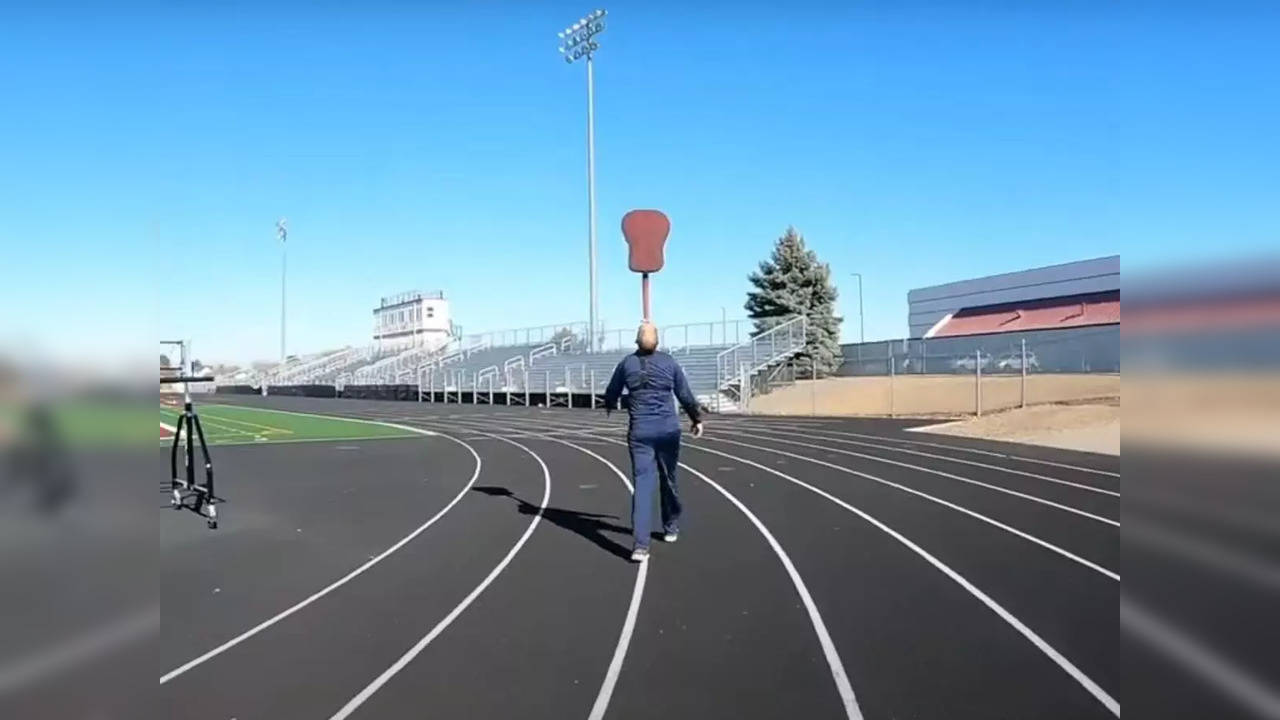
x: 269, y: 428
x: 213, y: 419
x: 210, y: 424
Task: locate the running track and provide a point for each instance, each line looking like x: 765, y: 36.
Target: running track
x: 827, y: 569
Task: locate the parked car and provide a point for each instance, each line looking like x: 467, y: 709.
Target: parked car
x: 1013, y: 361
x: 969, y: 363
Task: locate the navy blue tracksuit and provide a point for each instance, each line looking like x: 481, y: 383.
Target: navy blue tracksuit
x: 654, y: 433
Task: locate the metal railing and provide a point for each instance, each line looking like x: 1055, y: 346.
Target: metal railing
x: 298, y: 373
x: 766, y: 349
x: 543, y: 351
x: 510, y: 365
x: 490, y: 373
x: 675, y: 338
x: 400, y: 367
x: 324, y: 371
x: 528, y: 335
x: 372, y: 364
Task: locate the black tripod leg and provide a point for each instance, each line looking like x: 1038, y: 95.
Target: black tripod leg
x: 188, y: 416
x: 175, y: 488
x: 208, y: 473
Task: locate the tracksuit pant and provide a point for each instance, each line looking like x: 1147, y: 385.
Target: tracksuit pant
x: 654, y: 456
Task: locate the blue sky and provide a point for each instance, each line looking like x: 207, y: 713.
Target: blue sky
x: 148, y: 151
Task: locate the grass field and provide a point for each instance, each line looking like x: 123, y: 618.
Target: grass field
x: 78, y: 423
x: 232, y: 425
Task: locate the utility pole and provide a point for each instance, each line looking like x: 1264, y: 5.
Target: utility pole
x: 282, y: 230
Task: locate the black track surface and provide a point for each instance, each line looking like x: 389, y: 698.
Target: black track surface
x: 721, y: 631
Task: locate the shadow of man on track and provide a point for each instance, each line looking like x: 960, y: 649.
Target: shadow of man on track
x: 589, y: 525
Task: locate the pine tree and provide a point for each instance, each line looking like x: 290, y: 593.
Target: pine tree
x: 793, y: 282
x: 563, y: 333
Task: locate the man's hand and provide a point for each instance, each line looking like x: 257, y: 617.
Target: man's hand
x: 697, y: 429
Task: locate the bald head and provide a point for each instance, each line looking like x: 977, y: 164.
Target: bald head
x: 647, y: 337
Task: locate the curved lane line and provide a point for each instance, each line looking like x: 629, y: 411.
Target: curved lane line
x: 637, y: 593
x: 354, y: 703
x: 813, y: 434
x: 340, y: 581
x: 971, y: 481
x: 975, y: 451
x: 978, y: 516
x: 1066, y: 665
x: 1078, y: 675
x: 838, y: 674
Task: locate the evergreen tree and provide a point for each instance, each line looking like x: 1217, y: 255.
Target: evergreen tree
x: 563, y: 333
x: 793, y: 282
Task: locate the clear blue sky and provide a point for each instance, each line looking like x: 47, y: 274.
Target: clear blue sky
x: 148, y: 150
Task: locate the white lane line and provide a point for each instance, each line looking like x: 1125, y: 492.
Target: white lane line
x: 824, y: 638
x: 1202, y: 551
x: 1205, y: 664
x: 93, y: 645
x: 170, y: 428
x: 814, y: 434
x: 344, y: 418
x: 971, y: 481
x: 633, y: 610
x: 1023, y: 458
x: 340, y: 581
x: 354, y: 703
x: 975, y: 451
x: 1066, y: 665
x: 620, y: 652
x: 978, y: 516
x: 838, y: 674
x: 1057, y: 657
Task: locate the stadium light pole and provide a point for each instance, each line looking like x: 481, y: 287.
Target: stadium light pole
x: 579, y: 43
x: 282, y: 230
x: 861, y: 335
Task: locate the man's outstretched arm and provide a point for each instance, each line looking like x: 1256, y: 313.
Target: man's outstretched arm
x: 614, y: 390
x: 686, y: 398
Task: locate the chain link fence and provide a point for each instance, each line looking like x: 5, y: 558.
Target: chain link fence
x: 959, y: 375
x: 1067, y: 350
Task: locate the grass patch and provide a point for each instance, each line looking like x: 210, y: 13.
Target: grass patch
x: 238, y: 425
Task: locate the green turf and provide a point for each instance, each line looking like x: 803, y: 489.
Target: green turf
x: 237, y: 425
x: 79, y: 422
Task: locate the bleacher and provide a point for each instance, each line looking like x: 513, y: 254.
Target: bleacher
x: 566, y: 369
x: 497, y: 368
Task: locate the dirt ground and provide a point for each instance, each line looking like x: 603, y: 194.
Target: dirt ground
x: 945, y: 395
x: 1086, y: 427
x: 1227, y: 412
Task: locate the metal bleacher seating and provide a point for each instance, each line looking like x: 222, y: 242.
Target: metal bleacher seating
x: 498, y: 369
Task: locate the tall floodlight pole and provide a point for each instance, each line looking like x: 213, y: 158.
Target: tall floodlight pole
x: 282, y: 230
x: 578, y: 43
x: 861, y: 335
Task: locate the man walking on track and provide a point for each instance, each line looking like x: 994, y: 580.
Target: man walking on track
x: 653, y: 434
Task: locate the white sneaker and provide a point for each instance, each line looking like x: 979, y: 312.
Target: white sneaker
x: 670, y: 537
x: 640, y: 554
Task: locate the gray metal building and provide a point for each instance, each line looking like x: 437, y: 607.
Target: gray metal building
x: 927, y: 306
